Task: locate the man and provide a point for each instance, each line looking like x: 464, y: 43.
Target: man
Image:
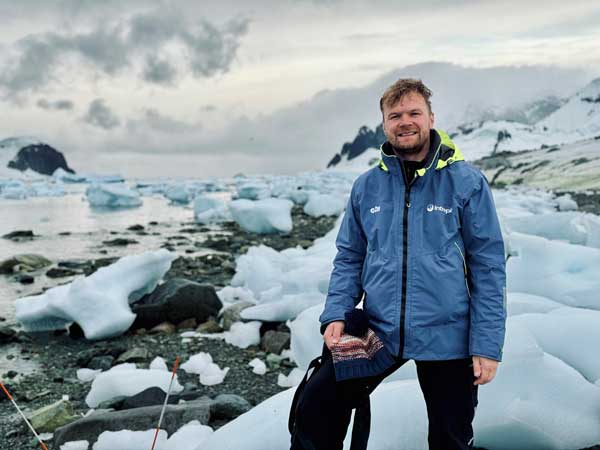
x: 420, y: 244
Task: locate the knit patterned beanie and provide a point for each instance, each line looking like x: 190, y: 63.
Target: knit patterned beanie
x: 359, y: 352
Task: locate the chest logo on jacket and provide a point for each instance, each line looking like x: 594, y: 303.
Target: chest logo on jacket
x: 375, y: 209
x: 431, y: 208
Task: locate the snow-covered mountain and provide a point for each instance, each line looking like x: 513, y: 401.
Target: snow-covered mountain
x: 562, y: 122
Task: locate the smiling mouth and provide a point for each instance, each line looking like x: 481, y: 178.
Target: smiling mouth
x: 406, y: 134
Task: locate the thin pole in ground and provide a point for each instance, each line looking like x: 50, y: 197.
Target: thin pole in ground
x: 23, y: 415
x: 162, y: 412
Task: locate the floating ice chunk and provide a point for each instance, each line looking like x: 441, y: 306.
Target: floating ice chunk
x: 230, y: 294
x: 197, y: 363
x: 210, y: 210
x: 191, y: 436
x: 325, y: 205
x: 127, y: 382
x: 559, y: 271
x: 213, y: 375
x: 75, y: 445
x: 178, y: 193
x: 270, y: 215
x: 243, y: 334
x: 520, y: 303
x: 68, y: 177
x: 570, y: 334
x: 87, y: 375
x: 158, y: 364
x: 288, y: 307
x: 253, y: 191
x: 130, y: 440
x: 293, y: 379
x: 99, y: 303
x: 112, y: 195
x: 574, y: 227
x: 258, y: 366
x: 566, y: 203
x: 15, y: 190
x: 203, y: 365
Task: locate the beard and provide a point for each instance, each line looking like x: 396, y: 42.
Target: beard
x: 409, y: 148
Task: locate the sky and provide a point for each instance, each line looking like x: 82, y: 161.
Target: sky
x: 120, y: 86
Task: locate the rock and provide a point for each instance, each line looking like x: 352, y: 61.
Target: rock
x: 25, y: 279
x: 101, y: 362
x: 48, y: 418
x: 165, y: 327
x: 68, y: 264
x: 119, y: 242
x: 228, y: 407
x: 114, y: 403
x: 135, y: 355
x: 32, y: 395
x: 138, y: 419
x: 275, y: 341
x: 274, y: 361
x: 40, y: 158
x: 24, y: 263
x: 210, y: 326
x: 148, y: 397
x: 136, y: 227
x: 176, y: 300
x: 11, y: 374
x: 7, y: 334
x: 187, y: 323
x: 18, y: 235
x: 232, y: 313
x: 59, y: 272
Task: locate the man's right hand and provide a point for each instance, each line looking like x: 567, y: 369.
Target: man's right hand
x: 333, y: 333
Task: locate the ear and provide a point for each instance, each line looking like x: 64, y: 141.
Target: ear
x: 432, y: 119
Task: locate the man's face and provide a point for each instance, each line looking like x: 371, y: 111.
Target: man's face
x: 407, y: 124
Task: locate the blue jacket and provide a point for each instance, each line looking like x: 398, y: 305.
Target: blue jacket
x: 429, y: 258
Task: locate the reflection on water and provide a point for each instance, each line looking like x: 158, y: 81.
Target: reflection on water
x: 88, y: 227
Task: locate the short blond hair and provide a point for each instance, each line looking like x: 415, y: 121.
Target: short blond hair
x: 401, y: 88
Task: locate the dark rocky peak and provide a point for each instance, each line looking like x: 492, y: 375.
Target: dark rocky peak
x: 366, y: 138
x: 40, y: 158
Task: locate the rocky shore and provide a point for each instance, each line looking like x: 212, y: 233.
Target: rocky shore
x: 58, y: 355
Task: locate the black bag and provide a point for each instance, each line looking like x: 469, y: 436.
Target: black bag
x: 362, y: 414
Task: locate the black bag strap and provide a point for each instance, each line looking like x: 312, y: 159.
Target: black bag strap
x: 316, y: 365
x: 362, y: 415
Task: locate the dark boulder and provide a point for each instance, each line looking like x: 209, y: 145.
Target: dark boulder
x: 174, y: 301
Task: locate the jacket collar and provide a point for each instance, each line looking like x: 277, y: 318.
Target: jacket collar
x: 442, y: 152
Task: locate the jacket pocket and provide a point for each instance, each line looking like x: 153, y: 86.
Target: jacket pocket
x: 464, y: 261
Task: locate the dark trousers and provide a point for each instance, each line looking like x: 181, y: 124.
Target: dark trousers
x: 325, y: 408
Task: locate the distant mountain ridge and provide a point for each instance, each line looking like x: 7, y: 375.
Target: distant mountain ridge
x: 549, y: 121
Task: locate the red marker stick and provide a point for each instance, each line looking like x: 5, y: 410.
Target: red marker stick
x: 22, y: 415
x: 166, y: 400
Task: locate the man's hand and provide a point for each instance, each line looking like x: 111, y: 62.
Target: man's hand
x: 484, y: 369
x: 333, y: 332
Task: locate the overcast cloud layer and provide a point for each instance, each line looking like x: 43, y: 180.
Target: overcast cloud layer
x: 269, y: 86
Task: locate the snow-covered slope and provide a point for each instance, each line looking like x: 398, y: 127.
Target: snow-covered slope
x: 573, y: 166
x: 580, y: 115
x: 578, y: 119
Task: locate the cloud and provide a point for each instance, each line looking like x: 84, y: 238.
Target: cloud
x: 57, y: 105
x: 101, y: 116
x: 155, y: 121
x: 206, y: 49
x: 159, y: 71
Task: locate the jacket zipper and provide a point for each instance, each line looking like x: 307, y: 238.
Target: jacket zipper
x: 404, y: 258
